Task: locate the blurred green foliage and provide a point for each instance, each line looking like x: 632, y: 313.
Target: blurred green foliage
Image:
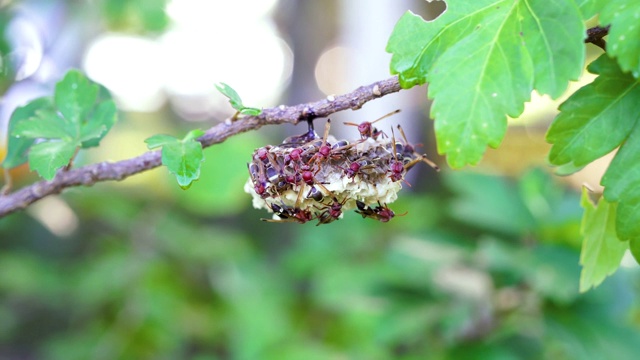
x: 150, y: 278
x: 135, y: 15
x: 481, y: 267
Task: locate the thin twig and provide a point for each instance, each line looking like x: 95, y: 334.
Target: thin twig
x: 595, y: 36
x: 106, y: 171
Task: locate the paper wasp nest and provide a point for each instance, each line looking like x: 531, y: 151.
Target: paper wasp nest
x: 310, y: 178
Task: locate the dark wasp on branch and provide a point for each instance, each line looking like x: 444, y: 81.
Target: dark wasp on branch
x: 310, y: 135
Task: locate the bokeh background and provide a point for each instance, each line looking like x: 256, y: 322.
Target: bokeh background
x: 484, y: 265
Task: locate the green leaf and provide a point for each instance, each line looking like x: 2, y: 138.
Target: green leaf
x: 634, y: 247
x: 182, y: 157
x: 46, y: 124
x: 99, y: 123
x: 416, y: 45
x: 75, y: 96
x: 601, y: 250
x: 136, y: 15
x: 567, y: 169
x: 17, y: 147
x: 75, y: 121
x: 482, y: 59
x: 597, y: 118
x: 47, y: 157
x: 159, y: 140
x: 235, y: 101
x: 193, y: 134
x: 628, y: 219
x: 622, y: 185
x: 250, y: 111
x: 553, y: 33
x: 622, y: 42
x: 589, y: 8
x: 229, y: 92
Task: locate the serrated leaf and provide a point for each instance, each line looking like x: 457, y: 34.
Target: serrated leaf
x: 183, y: 159
x: 553, y: 32
x: 75, y: 96
x: 622, y: 42
x: 159, y: 140
x: 628, y: 219
x: 597, y: 118
x: 601, y: 250
x: 416, y: 44
x: 482, y: 59
x: 475, y: 84
x: 101, y: 120
x: 17, y: 147
x: 47, y: 157
x: 623, y: 174
x: 46, y: 124
x: 229, y: 92
x: 622, y: 185
x: 76, y: 121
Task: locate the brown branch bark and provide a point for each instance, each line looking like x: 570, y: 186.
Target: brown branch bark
x: 106, y: 171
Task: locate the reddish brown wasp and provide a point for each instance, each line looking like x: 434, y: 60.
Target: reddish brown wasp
x: 381, y: 212
x: 366, y: 128
x: 326, y: 151
x: 291, y: 214
x: 409, y: 151
x: 396, y: 168
x: 258, y: 177
x: 333, y: 211
x: 357, y: 167
x: 262, y: 153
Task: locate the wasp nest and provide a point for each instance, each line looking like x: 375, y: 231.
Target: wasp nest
x: 310, y: 178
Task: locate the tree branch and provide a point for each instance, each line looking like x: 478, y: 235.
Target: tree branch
x: 105, y: 171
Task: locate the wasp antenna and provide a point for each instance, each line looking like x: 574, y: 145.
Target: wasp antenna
x: 324, y: 188
x: 299, y: 198
x: 273, y: 162
x: 404, y: 137
x: 385, y: 116
x: 393, y: 145
x: 430, y: 163
x: 326, y: 131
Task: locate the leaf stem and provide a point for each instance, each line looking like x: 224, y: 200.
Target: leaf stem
x: 8, y: 183
x: 70, y: 164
